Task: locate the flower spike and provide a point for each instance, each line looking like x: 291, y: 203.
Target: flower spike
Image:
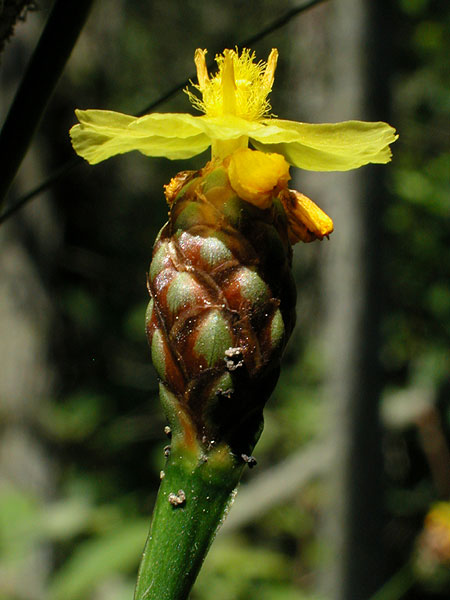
x: 222, y: 294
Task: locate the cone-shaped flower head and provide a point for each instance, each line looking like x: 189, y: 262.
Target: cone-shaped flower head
x: 223, y: 298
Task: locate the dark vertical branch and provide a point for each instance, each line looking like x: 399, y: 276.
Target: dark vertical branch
x: 354, y: 287
x: 365, y: 567
x: 47, y: 63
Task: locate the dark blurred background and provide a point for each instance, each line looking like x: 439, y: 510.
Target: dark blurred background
x: 355, y: 451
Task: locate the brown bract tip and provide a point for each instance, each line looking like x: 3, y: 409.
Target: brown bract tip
x: 172, y: 189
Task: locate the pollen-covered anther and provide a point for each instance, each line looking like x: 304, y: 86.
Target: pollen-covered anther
x: 306, y: 221
x: 200, y: 64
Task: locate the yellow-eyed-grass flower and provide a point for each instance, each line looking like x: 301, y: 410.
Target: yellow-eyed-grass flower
x: 432, y: 556
x: 222, y: 302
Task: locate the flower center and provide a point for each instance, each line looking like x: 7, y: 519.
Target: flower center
x: 239, y: 88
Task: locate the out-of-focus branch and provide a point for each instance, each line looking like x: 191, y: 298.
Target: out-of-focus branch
x: 278, y: 484
x: 282, y: 482
x: 436, y: 449
x: 261, y: 34
x: 12, y: 11
x: 416, y: 406
x: 46, y: 65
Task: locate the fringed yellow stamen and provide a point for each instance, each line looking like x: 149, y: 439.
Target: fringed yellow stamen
x: 257, y: 176
x: 202, y: 71
x: 269, y: 74
x: 306, y: 221
x: 240, y: 86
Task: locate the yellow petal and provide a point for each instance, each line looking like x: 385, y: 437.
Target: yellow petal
x: 102, y: 134
x: 306, y: 221
x: 256, y: 176
x: 326, y: 146
x: 226, y: 127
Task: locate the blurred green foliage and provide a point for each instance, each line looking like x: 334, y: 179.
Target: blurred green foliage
x: 104, y: 425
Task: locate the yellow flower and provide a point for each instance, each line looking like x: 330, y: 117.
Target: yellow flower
x: 431, y: 559
x: 437, y: 531
x: 236, y: 113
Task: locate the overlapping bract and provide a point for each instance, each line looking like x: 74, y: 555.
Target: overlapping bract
x: 222, y: 308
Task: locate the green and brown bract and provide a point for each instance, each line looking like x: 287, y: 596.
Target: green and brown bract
x: 222, y: 309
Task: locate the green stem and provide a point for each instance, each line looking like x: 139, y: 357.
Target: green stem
x: 396, y: 587
x: 192, y: 501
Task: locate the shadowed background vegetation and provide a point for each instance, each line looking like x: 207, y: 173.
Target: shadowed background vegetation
x: 356, y: 443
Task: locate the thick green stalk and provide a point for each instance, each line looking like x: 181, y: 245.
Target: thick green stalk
x: 193, y: 499
x: 221, y: 310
